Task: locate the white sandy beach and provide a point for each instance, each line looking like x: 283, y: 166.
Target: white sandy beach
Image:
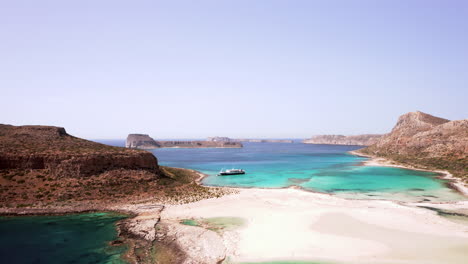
x: 290, y: 224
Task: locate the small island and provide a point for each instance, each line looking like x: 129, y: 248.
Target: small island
x: 144, y: 141
x: 255, y: 140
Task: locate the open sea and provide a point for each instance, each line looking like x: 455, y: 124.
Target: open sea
x: 84, y: 238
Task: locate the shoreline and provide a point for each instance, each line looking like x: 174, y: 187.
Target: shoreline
x: 264, y: 209
x: 453, y: 182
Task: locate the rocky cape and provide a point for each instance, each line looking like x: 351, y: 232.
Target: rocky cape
x: 143, y: 141
x: 46, y: 171
x: 44, y: 165
x: 427, y: 142
x: 360, y: 140
x: 64, y: 156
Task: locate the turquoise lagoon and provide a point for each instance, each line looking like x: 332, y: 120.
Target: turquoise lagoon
x: 319, y: 168
x: 78, y: 239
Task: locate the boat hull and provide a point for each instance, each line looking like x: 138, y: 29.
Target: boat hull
x: 230, y: 173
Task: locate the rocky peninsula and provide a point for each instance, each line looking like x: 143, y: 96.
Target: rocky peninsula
x: 46, y: 171
x: 424, y: 141
x: 44, y: 165
x: 359, y: 140
x: 143, y: 141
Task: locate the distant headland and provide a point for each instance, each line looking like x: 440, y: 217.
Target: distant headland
x: 360, y: 140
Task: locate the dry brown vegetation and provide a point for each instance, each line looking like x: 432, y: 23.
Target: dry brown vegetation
x: 36, y: 188
x: 424, y: 141
x: 44, y: 166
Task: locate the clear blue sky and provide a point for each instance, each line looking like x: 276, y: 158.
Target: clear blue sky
x: 191, y: 69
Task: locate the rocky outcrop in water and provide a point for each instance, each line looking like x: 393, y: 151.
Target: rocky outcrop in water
x: 360, y: 140
x: 141, y: 141
x: 425, y: 140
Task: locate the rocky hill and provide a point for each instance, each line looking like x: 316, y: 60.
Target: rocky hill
x: 62, y: 155
x: 44, y: 165
x: 142, y: 141
x: 426, y: 141
x: 361, y: 140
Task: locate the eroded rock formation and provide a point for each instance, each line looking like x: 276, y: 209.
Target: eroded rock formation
x: 52, y: 149
x: 141, y: 141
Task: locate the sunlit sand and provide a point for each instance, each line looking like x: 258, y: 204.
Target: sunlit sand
x: 290, y: 224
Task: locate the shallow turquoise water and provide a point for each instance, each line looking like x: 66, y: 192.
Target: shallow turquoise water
x: 322, y: 168
x: 81, y: 238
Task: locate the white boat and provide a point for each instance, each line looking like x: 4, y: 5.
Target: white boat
x: 231, y: 172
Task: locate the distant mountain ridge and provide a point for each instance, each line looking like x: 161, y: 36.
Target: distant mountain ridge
x: 425, y: 140
x: 361, y: 140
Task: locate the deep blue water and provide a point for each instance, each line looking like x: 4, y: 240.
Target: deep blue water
x: 77, y: 239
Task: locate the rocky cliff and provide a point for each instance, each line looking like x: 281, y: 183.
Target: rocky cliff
x: 361, y: 140
x: 426, y: 141
x: 41, y: 164
x: 52, y: 149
